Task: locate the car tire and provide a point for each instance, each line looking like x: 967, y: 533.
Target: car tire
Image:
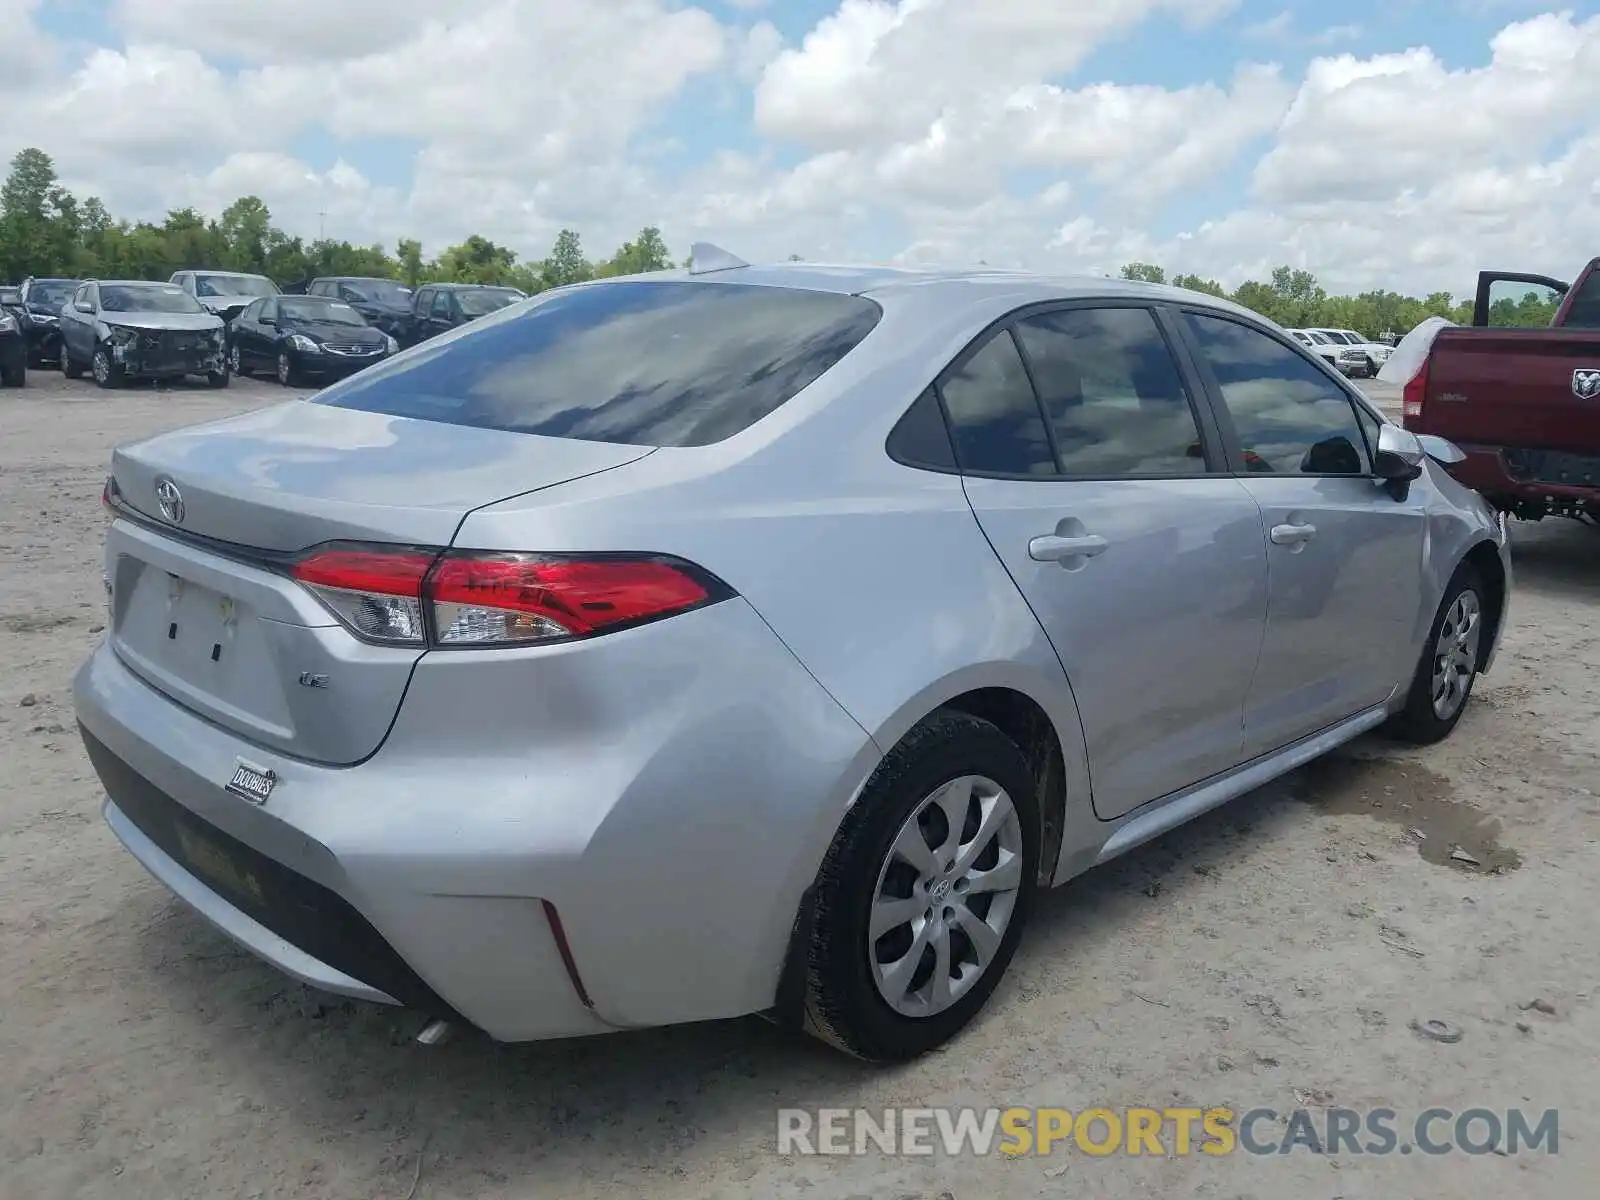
x: 952, y: 759
x: 1450, y: 660
x: 70, y: 367
x: 236, y: 362
x: 218, y: 379
x: 14, y: 376
x: 288, y: 373
x: 106, y: 372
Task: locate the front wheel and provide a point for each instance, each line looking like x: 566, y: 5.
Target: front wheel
x: 70, y: 367
x: 15, y: 375
x: 106, y: 373
x: 236, y: 361
x: 217, y: 379
x: 288, y: 373
x: 1449, y: 665
x: 923, y: 895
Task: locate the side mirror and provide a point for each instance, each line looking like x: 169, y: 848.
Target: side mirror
x: 84, y: 306
x: 1441, y: 450
x: 1400, y: 454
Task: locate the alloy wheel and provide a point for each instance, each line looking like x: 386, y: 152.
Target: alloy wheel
x: 944, y: 896
x: 101, y: 366
x: 235, y: 361
x: 1455, y: 654
x: 285, y: 369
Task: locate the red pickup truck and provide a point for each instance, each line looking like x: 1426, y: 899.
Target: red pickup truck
x: 1523, y: 403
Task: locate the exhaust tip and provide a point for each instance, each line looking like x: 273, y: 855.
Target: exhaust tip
x: 435, y: 1033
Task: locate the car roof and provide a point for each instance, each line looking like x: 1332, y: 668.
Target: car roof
x: 354, y: 279
x: 224, y: 274
x: 149, y: 283
x: 941, y: 285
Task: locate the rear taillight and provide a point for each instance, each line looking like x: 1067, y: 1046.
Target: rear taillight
x: 1415, y: 392
x: 467, y: 600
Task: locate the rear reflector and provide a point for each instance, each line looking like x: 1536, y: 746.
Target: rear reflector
x: 391, y: 595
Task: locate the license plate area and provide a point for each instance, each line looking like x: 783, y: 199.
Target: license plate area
x: 185, y: 625
x: 216, y: 867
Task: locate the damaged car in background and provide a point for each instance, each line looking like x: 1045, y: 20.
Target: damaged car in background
x: 41, y: 300
x: 225, y: 293
x: 123, y: 330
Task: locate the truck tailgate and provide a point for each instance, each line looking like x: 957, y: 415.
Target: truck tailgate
x: 1517, y: 389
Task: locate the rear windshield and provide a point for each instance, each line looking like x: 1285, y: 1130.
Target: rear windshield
x: 641, y: 363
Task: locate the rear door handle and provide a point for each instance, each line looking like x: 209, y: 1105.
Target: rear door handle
x: 1292, y: 535
x: 1059, y: 549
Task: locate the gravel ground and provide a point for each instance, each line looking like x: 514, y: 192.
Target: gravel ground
x: 1272, y: 954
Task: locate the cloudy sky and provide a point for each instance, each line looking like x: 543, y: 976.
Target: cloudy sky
x: 1393, y: 143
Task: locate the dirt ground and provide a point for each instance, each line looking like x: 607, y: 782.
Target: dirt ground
x: 1273, y: 954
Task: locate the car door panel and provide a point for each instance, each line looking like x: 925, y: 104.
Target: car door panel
x: 1158, y: 632
x: 1343, y: 554
x: 1147, y: 568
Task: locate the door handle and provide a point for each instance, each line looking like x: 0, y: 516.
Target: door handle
x: 1053, y: 548
x: 1292, y: 535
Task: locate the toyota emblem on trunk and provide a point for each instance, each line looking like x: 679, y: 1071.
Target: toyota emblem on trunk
x: 1586, y: 383
x: 171, y: 500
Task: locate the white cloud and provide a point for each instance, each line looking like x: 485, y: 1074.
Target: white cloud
x: 891, y: 129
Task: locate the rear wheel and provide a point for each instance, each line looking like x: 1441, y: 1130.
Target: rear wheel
x: 923, y: 895
x: 236, y: 362
x: 1448, y: 668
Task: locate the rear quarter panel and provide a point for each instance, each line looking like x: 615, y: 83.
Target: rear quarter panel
x: 876, y: 576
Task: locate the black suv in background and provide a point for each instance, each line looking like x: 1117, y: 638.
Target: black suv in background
x: 385, y: 304
x: 41, y: 306
x: 440, y: 307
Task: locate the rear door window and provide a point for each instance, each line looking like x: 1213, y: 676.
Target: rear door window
x: 1112, y: 392
x: 639, y: 363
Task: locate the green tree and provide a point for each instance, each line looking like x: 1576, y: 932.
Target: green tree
x: 566, y: 263
x: 1143, y: 272
x: 645, y: 253
x: 244, y: 227
x: 1194, y: 283
x: 27, y: 246
x: 408, y: 252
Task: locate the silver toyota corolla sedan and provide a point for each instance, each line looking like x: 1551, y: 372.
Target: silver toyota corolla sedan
x: 757, y: 639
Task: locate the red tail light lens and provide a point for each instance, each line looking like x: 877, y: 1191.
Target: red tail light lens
x: 511, y: 599
x: 480, y: 600
x: 1415, y: 393
x: 375, y: 592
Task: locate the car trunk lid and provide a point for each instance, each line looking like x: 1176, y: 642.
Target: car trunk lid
x: 202, y: 607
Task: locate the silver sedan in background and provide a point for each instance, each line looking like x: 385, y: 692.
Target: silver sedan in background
x: 757, y: 639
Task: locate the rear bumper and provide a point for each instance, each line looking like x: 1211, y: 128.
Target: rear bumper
x: 671, y: 812
x: 1486, y: 470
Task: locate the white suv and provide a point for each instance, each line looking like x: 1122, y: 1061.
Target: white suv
x: 1345, y: 359
x: 1376, y: 352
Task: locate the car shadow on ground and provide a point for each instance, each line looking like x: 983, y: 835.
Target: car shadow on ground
x: 1559, y: 556
x: 491, y: 1112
